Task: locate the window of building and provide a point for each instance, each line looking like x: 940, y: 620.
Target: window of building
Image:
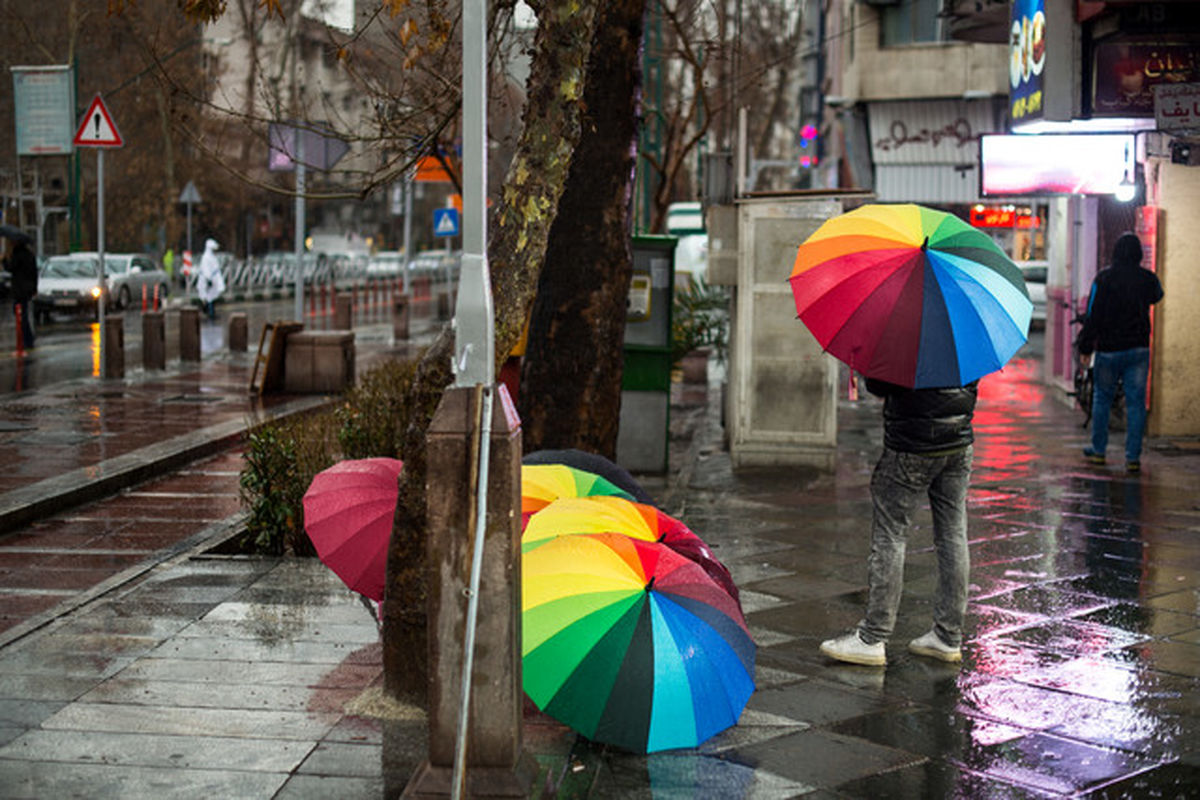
x: 911, y: 22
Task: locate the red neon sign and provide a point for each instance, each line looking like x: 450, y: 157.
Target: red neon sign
x: 995, y: 217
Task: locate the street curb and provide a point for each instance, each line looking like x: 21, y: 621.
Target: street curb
x: 30, y: 503
x: 198, y: 542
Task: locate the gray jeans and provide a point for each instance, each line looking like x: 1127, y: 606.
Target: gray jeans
x: 897, y: 485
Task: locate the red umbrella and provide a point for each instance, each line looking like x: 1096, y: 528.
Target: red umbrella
x: 348, y: 512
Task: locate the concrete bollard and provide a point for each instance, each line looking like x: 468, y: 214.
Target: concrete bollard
x: 400, y: 318
x: 497, y: 764
x: 343, y: 312
x: 238, y: 332
x: 154, y: 340
x: 114, y: 347
x: 189, y: 334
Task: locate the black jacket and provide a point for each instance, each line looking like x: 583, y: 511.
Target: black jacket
x: 23, y: 267
x: 926, y: 421
x: 1119, y: 309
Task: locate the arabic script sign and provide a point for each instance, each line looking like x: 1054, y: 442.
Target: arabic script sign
x: 1177, y: 106
x: 1125, y: 74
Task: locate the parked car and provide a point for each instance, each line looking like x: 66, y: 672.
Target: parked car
x: 70, y: 283
x: 386, y: 264
x: 1034, y: 273
x: 439, y: 265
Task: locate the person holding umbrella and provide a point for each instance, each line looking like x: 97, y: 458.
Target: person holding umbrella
x: 927, y: 451
x: 923, y: 305
x: 23, y: 266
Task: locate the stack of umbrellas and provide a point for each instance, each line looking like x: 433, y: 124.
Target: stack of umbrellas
x: 633, y: 634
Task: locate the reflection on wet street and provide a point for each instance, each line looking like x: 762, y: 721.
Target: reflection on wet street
x: 1082, y: 661
x: 1081, y: 672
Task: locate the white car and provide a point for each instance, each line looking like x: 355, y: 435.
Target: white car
x: 71, y: 283
x: 1034, y: 273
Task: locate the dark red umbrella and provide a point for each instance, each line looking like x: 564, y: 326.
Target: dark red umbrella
x: 348, y: 511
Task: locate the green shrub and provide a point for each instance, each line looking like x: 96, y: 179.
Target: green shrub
x: 283, y: 457
x: 375, y: 412
x: 281, y: 460
x: 699, y: 318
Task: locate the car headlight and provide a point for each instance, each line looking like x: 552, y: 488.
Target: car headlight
x: 96, y: 292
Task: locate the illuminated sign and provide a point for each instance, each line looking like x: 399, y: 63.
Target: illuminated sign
x: 1003, y: 217
x: 1026, y: 59
x: 1049, y: 164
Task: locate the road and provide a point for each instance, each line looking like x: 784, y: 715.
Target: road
x: 69, y: 348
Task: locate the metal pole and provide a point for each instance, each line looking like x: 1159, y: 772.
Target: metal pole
x: 474, y: 346
x: 101, y: 301
x: 298, y: 308
x: 408, y: 198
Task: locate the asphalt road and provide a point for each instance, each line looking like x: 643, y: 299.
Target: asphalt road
x: 68, y: 347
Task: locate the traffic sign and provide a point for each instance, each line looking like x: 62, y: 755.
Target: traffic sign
x: 97, y: 128
x: 445, y: 222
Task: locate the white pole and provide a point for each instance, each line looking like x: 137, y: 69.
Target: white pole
x: 474, y: 345
x: 100, y: 301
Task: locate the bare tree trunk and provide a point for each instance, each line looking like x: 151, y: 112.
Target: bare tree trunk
x: 571, y: 377
x: 518, y: 233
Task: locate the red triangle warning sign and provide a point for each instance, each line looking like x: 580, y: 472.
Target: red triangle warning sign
x: 96, y: 129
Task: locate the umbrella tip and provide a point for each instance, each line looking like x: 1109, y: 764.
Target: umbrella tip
x: 925, y: 244
x: 650, y: 585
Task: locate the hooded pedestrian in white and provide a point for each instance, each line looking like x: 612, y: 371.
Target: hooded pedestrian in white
x: 209, y: 281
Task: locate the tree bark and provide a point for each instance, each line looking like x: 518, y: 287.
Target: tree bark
x: 518, y: 233
x: 571, y: 376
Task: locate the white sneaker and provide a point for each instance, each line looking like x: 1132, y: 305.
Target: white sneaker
x: 853, y: 650
x: 930, y: 645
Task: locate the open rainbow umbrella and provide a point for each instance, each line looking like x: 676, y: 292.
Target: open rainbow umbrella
x: 542, y: 484
x: 631, y: 644
x: 604, y: 514
x: 912, y: 296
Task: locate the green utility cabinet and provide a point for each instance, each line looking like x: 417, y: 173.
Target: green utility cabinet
x: 646, y: 387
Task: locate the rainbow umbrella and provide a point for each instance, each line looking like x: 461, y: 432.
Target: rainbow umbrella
x: 631, y: 644
x: 542, y: 484
x: 348, y: 511
x: 912, y: 296
x: 603, y: 514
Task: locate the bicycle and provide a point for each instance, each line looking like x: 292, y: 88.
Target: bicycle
x: 1084, y: 383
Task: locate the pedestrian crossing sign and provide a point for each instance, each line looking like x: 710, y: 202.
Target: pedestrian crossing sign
x: 445, y: 222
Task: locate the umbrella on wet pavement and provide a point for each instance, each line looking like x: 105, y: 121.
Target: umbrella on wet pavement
x: 542, y: 484
x: 583, y: 515
x: 631, y: 644
x: 348, y: 512
x: 912, y: 296
x: 595, y: 464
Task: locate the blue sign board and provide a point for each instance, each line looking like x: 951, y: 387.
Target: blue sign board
x: 445, y: 222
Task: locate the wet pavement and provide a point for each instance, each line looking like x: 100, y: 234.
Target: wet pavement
x: 208, y: 675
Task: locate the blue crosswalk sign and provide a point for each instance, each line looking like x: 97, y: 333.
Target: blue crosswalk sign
x: 445, y: 222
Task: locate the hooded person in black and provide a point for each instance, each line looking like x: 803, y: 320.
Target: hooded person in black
x: 23, y: 266
x: 1117, y: 330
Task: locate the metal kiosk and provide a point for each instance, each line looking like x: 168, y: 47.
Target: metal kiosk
x: 646, y: 386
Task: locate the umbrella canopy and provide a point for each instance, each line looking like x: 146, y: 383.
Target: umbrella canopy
x: 911, y: 296
x: 595, y: 464
x: 14, y: 233
x: 601, y: 514
x: 631, y: 644
x: 542, y: 484
x: 348, y: 512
